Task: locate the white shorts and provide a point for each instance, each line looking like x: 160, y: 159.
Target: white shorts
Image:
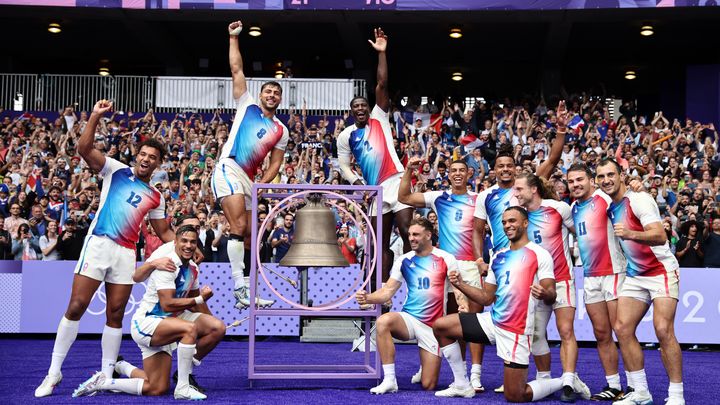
x: 390, y: 189
x: 511, y: 347
x: 602, y: 288
x: 470, y: 274
x: 646, y: 289
x: 142, y: 329
x: 566, y: 294
x: 104, y: 260
x: 229, y: 179
x: 423, y: 333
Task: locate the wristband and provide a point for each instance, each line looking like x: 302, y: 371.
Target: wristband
x: 199, y: 300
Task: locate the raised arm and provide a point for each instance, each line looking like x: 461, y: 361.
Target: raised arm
x: 547, y: 167
x: 382, y: 99
x: 416, y: 200
x: 236, y: 62
x: 93, y: 157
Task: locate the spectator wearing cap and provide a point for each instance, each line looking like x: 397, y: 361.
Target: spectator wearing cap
x: 71, y: 241
x: 348, y: 245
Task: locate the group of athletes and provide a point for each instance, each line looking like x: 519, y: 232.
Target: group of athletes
x: 627, y: 263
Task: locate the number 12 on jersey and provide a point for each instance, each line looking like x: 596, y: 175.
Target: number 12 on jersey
x: 134, y: 199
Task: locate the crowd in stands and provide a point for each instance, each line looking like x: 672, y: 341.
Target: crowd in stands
x: 48, y: 196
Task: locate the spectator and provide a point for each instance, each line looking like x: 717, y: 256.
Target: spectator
x: 711, y: 244
x: 5, y: 242
x: 71, y: 241
x: 38, y: 222
x: 689, y: 250
x: 48, y: 242
x: 13, y: 222
x: 348, y: 245
x: 282, y: 237
x: 25, y: 246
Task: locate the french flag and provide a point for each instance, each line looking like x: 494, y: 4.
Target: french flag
x: 411, y: 117
x: 34, y: 183
x: 576, y: 123
x: 63, y: 216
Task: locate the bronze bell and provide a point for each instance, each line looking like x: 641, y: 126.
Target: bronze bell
x: 315, y: 240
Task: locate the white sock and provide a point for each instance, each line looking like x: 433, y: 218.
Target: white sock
x: 476, y: 369
x: 66, y: 333
x: 124, y: 368
x: 111, y: 340
x: 629, y: 379
x: 613, y: 381
x: 236, y: 254
x: 675, y: 390
x: 388, y: 371
x: 568, y: 378
x: 544, y: 387
x: 542, y: 375
x: 131, y: 386
x: 454, y: 357
x: 185, y: 363
x: 639, y: 380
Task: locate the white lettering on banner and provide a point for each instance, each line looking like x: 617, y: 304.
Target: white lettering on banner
x: 690, y: 317
x: 100, y: 297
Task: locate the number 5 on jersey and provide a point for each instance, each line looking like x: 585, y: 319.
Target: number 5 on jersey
x: 134, y: 199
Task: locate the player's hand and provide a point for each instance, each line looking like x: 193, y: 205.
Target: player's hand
x: 234, y: 28
x: 538, y: 291
x: 636, y: 185
x: 562, y: 115
x: 462, y: 308
x: 482, y: 266
x: 206, y: 292
x: 164, y: 263
x: 455, y: 278
x: 361, y: 297
x: 380, y: 43
x: 414, y: 162
x: 621, y: 231
x: 102, y: 106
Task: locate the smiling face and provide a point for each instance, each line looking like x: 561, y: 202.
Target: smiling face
x: 523, y: 192
x: 419, y: 237
x: 514, y: 225
x: 505, y: 169
x: 581, y: 185
x: 186, y: 244
x: 458, y: 175
x: 360, y: 110
x: 608, y: 177
x: 270, y: 97
x: 148, y: 159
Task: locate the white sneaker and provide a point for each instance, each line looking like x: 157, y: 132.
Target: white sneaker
x: 674, y: 401
x: 581, y: 388
x: 387, y: 386
x: 455, y: 391
x: 417, y: 377
x: 636, y: 398
x: 48, y: 385
x: 90, y: 386
x: 500, y: 389
x: 242, y: 300
x: 188, y: 392
x: 476, y: 382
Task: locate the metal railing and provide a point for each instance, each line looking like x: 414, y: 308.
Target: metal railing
x: 51, y: 92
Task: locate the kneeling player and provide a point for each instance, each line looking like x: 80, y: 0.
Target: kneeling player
x: 425, y: 270
x: 172, y: 314
x: 518, y: 277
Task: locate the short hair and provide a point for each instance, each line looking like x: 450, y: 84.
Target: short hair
x: 154, y: 143
x: 423, y: 222
x: 519, y: 209
x: 610, y: 161
x: 460, y: 162
x: 581, y: 167
x: 505, y: 150
x: 185, y: 229
x: 272, y: 83
x: 356, y: 98
x: 182, y: 218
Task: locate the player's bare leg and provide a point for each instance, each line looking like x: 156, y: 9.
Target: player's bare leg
x: 390, y: 325
x: 602, y: 315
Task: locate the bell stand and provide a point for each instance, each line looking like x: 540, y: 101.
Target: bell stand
x: 368, y: 369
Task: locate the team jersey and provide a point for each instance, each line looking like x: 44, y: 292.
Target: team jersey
x: 372, y: 147
x: 599, y: 248
x: 635, y: 211
x: 455, y: 221
x: 124, y: 202
x: 252, y: 136
x: 514, y: 272
x: 548, y: 227
x: 491, y: 204
x: 427, y: 283
x: 182, y: 280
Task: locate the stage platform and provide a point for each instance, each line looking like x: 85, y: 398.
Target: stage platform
x: 224, y: 374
